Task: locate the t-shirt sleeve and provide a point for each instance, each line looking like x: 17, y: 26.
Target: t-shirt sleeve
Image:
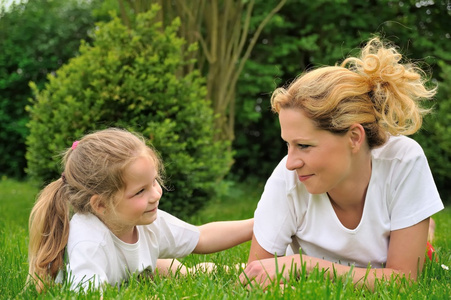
x: 275, y: 217
x: 177, y: 238
x: 414, y: 194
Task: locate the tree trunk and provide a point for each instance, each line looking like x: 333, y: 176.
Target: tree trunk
x: 221, y: 29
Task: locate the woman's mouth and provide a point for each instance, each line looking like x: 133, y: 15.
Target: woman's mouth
x: 304, y: 177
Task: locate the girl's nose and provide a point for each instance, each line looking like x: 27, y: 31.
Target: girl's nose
x: 156, y: 194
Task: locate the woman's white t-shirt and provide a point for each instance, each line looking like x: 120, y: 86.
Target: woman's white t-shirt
x: 97, y: 256
x: 401, y: 193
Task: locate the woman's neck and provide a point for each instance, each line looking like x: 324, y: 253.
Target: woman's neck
x: 351, y: 194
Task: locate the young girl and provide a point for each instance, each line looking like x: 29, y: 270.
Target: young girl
x: 112, y: 180
x: 353, y: 191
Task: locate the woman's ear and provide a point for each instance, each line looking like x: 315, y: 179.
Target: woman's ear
x: 357, y: 137
x: 97, y: 205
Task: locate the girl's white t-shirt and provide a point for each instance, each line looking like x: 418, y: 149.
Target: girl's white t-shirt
x: 97, y: 256
x: 401, y: 193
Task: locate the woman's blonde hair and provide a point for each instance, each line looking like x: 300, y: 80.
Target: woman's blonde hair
x: 94, y: 167
x: 375, y: 90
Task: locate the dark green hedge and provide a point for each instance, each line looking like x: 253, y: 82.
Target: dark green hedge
x: 36, y: 38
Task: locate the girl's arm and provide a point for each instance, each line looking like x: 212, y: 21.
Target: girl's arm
x: 405, y: 257
x: 170, y: 266
x: 217, y: 236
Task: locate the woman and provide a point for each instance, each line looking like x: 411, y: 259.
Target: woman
x: 354, y: 193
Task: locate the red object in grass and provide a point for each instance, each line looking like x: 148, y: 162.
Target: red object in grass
x: 430, y: 250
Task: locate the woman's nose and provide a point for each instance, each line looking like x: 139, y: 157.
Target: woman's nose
x: 294, y: 161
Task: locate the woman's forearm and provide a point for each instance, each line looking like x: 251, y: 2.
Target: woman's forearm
x: 265, y: 270
x: 360, y: 276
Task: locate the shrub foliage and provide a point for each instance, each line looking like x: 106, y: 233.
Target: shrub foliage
x: 128, y: 78
x: 36, y: 38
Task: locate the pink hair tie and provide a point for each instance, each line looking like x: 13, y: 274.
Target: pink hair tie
x: 74, y: 145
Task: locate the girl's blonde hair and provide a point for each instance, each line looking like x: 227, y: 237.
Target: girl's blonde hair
x: 375, y: 90
x: 94, y: 167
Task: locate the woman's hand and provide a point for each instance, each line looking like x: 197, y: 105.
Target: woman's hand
x: 264, y: 272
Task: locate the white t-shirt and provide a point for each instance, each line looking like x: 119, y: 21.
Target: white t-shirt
x: 96, y: 255
x: 401, y: 193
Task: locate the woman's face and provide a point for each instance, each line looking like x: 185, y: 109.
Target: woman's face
x: 322, y: 160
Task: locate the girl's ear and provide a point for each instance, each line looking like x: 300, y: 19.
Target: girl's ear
x: 357, y: 137
x: 97, y: 205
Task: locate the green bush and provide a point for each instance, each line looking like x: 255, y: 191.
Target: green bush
x: 36, y: 38
x: 435, y: 136
x: 128, y: 78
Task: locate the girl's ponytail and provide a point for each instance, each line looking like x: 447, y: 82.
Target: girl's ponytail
x: 49, y: 232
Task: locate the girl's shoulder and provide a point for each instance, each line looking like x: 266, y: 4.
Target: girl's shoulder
x: 166, y: 223
x: 87, y: 220
x: 86, y: 228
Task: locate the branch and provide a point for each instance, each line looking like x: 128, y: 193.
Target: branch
x: 255, y: 38
x: 124, y: 14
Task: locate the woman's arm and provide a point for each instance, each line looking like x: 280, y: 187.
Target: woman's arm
x: 217, y: 236
x: 257, y: 252
x: 405, y: 257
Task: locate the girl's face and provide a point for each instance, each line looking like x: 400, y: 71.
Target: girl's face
x: 142, y: 194
x: 322, y: 160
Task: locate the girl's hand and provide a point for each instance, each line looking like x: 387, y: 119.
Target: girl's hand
x: 205, y: 267
x: 209, y: 267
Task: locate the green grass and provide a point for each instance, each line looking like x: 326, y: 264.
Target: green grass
x: 16, y: 200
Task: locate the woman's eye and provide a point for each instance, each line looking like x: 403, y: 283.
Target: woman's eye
x: 300, y: 146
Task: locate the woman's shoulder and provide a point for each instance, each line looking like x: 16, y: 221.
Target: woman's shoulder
x: 282, y: 173
x: 399, y: 147
x: 284, y: 182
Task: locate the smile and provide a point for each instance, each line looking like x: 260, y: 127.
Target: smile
x: 151, y: 210
x: 304, y: 178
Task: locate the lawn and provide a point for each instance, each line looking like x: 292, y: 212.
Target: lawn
x: 16, y: 200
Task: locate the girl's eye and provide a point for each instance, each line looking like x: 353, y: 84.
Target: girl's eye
x: 140, y: 192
